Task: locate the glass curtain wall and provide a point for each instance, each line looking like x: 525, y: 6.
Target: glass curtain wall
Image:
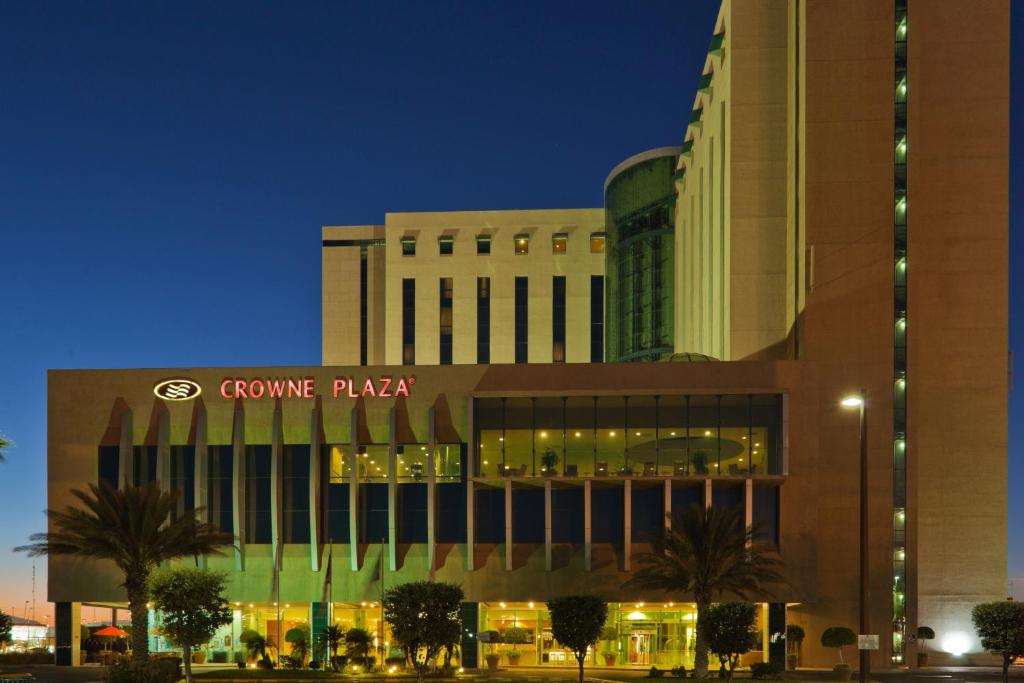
x: 644, y: 435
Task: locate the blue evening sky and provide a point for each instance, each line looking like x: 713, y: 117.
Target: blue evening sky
x: 165, y: 169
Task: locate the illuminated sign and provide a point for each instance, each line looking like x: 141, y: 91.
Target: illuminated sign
x: 381, y: 386
x: 177, y: 389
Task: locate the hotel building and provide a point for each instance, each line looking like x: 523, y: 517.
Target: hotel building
x: 833, y: 221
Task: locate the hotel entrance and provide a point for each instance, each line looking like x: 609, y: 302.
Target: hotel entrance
x: 640, y: 645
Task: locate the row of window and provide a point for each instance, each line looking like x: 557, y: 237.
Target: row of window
x: 521, y: 319
x: 521, y: 244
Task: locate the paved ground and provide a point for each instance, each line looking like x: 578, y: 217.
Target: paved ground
x: 93, y: 674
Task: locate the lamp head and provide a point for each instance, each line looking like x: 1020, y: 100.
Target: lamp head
x: 852, y: 401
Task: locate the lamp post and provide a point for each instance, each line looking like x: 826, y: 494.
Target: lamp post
x: 857, y: 401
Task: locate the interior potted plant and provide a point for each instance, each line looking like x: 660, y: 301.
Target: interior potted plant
x: 549, y: 461
x: 199, y: 657
x: 490, y: 639
x: 610, y: 636
x: 924, y: 633
x: 839, y: 637
x: 515, y: 636
x: 794, y: 637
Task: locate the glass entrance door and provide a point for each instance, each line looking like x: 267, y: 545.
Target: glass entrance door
x: 640, y: 643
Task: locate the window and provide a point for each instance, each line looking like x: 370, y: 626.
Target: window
x: 446, y: 245
x: 408, y: 246
x: 597, y: 243
x: 522, y: 244
x: 483, y: 244
x: 446, y: 321
x: 558, y: 319
x: 295, y: 493
x: 559, y: 242
x: 183, y: 478
x: 596, y: 318
x: 110, y: 462
x: 483, y: 319
x: 521, y: 319
x: 408, y: 321
x: 364, y: 319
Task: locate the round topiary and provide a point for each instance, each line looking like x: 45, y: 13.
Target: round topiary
x: 795, y: 633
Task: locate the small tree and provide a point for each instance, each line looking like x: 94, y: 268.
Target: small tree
x: 838, y: 637
x: 924, y: 634
x: 192, y: 607
x: 255, y: 644
x: 357, y: 644
x: 577, y: 622
x: 6, y: 624
x: 424, y: 617
x: 330, y: 639
x: 729, y: 632
x: 794, y: 637
x: 1000, y: 626
x: 298, y: 638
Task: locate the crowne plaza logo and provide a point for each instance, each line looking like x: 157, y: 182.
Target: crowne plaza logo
x: 177, y: 389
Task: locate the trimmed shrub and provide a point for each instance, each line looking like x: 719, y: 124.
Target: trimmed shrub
x: 655, y: 672
x: 766, y: 670
x: 154, y: 670
x: 679, y: 671
x: 25, y: 658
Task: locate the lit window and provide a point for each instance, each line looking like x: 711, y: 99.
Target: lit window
x: 597, y: 243
x: 522, y: 244
x: 446, y: 245
x: 408, y: 246
x: 559, y: 242
x: 483, y: 244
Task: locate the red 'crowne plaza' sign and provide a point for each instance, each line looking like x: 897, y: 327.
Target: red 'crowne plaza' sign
x: 381, y: 386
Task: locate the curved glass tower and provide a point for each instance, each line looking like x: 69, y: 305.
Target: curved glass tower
x: 639, y: 200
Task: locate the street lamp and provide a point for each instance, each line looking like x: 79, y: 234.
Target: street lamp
x: 857, y: 401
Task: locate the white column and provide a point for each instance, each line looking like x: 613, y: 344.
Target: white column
x: 316, y: 515
x: 431, y: 491
x: 547, y: 524
x: 627, y: 517
x: 587, y: 533
x: 508, y: 523
x: 392, y: 489
x: 276, y: 488
x: 238, y: 483
x: 748, y: 504
x: 668, y: 503
x: 353, y: 492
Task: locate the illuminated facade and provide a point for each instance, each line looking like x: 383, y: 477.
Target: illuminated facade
x: 481, y: 415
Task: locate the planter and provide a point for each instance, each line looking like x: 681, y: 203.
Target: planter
x: 513, y: 659
x: 842, y: 672
x: 922, y: 660
x: 492, y: 662
x: 609, y: 658
x: 199, y: 657
x: 792, y: 661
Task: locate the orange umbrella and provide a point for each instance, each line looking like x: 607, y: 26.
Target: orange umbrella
x: 111, y: 631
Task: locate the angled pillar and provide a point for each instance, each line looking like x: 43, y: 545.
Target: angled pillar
x: 508, y: 524
x: 587, y: 534
x: 392, y: 491
x: 707, y: 493
x: 125, y: 456
x: 238, y: 483
x: 316, y: 485
x: 431, y: 491
x: 547, y: 524
x: 748, y: 505
x: 627, y: 518
x: 276, y: 486
x: 163, y: 449
x: 353, y: 493
x: 201, y: 476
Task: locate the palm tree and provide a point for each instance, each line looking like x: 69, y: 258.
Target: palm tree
x: 331, y: 637
x: 707, y: 552
x: 4, y: 444
x: 133, y: 528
